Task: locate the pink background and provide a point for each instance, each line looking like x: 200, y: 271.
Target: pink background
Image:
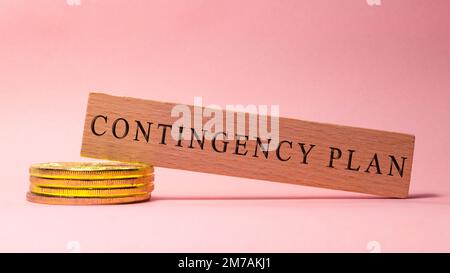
x: 384, y: 67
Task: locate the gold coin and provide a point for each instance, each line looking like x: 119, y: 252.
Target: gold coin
x: 90, y: 170
x: 92, y: 192
x: 91, y: 184
x: 35, y: 198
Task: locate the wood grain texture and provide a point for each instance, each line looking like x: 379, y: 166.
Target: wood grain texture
x: 384, y: 158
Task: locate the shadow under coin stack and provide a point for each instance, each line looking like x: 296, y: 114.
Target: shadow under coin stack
x: 90, y: 183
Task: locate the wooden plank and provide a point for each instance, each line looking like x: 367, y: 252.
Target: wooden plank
x: 340, y: 157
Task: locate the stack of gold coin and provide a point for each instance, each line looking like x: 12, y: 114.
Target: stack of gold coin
x: 90, y: 183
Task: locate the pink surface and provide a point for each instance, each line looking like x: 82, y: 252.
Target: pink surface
x: 384, y: 67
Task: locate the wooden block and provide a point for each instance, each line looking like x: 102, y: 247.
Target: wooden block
x: 307, y: 153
